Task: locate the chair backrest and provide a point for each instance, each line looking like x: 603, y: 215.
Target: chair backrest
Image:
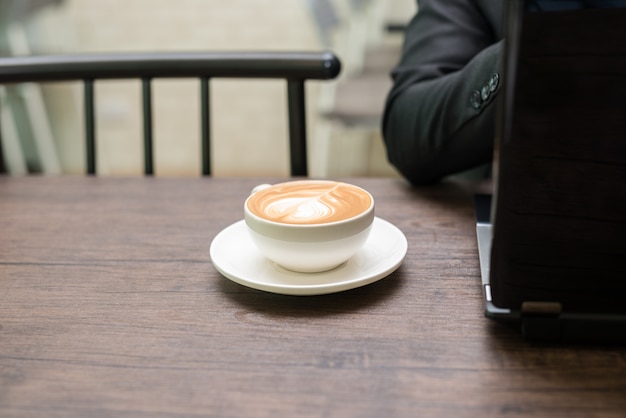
x: 294, y: 67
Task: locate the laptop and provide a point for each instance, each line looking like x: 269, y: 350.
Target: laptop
x: 552, y: 237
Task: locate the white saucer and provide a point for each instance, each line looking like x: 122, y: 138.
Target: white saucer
x: 235, y: 256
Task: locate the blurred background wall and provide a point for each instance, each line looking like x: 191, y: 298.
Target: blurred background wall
x: 42, y: 127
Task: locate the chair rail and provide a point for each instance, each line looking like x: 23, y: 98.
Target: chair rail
x: 294, y: 67
x: 287, y: 65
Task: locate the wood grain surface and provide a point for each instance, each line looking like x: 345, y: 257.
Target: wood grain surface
x: 110, y: 307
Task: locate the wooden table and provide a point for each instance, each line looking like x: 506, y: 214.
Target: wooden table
x: 110, y: 306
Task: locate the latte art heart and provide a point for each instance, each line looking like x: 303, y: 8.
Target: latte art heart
x: 309, y: 202
x: 296, y: 210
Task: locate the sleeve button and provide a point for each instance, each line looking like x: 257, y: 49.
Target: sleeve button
x: 493, y: 82
x: 485, y: 92
x: 475, y: 99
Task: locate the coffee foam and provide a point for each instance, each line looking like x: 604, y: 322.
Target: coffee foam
x: 309, y: 202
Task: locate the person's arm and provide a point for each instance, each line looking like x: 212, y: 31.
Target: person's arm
x: 439, y: 120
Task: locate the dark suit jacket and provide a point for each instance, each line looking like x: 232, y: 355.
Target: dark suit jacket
x: 440, y: 114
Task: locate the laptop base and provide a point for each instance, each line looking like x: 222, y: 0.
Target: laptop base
x: 541, y: 321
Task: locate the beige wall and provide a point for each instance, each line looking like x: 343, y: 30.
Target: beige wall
x: 249, y: 119
x: 249, y: 125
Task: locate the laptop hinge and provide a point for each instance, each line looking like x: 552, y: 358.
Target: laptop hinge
x: 540, y: 320
x: 541, y: 308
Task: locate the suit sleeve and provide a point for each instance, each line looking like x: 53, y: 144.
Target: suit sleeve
x: 439, y: 115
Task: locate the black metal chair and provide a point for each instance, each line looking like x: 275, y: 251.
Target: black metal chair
x: 294, y: 67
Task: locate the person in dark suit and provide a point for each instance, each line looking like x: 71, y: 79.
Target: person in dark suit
x: 439, y: 116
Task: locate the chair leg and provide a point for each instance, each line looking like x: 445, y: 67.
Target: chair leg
x: 297, y: 127
x: 90, y: 127
x: 2, y: 167
x: 147, y: 126
x: 205, y: 120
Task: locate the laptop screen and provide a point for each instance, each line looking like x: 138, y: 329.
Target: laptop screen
x: 559, y: 211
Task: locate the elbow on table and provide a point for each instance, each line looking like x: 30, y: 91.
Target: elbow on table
x: 419, y: 173
x: 425, y: 155
x: 411, y: 154
x: 418, y: 165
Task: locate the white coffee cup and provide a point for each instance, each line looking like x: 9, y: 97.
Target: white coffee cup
x: 309, y: 225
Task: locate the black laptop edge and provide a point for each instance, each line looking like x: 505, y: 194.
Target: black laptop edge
x: 537, y: 323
